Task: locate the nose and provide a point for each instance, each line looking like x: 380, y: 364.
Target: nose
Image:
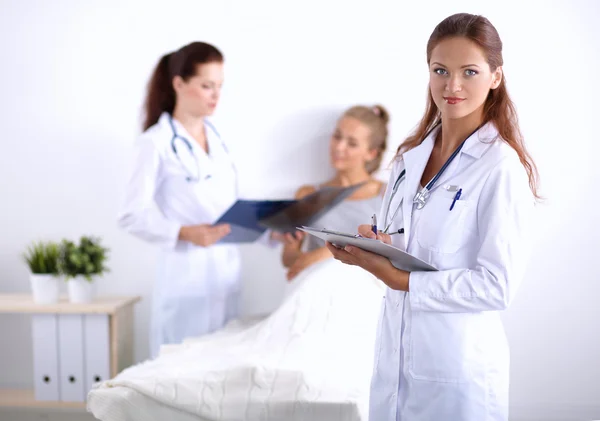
x: 454, y: 84
x: 339, y: 146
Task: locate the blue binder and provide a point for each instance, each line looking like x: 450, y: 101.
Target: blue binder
x: 244, y: 218
x: 249, y: 219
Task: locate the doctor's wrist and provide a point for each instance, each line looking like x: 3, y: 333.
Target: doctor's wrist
x: 184, y: 233
x: 396, y: 279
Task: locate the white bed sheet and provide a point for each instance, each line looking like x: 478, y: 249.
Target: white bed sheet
x: 309, y: 360
x: 126, y: 404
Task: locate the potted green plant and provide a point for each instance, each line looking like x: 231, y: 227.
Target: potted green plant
x: 42, y: 259
x: 81, y: 264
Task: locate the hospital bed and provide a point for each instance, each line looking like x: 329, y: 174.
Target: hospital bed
x: 309, y: 360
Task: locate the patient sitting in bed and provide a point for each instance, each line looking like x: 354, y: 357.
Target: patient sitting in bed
x: 355, y: 151
x: 311, y: 359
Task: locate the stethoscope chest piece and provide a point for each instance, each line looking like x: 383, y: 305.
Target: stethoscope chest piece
x: 421, y: 198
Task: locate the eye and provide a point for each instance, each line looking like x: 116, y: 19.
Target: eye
x: 470, y: 72
x: 337, y: 136
x: 440, y: 71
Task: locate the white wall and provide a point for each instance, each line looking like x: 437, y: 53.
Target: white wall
x: 73, y: 74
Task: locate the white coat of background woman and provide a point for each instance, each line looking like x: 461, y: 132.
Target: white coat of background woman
x: 183, y: 180
x: 441, y: 352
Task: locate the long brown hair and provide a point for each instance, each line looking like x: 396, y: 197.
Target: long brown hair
x: 498, y: 107
x: 160, y: 95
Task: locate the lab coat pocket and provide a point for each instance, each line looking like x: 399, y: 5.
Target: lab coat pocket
x: 442, y: 230
x: 446, y: 347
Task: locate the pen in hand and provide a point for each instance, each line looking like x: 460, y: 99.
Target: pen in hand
x: 374, y: 224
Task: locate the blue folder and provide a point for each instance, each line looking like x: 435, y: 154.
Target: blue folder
x: 244, y: 218
x: 249, y: 219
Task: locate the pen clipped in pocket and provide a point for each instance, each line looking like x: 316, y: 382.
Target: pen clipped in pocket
x: 456, y: 197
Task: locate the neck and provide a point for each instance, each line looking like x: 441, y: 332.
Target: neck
x: 351, y: 177
x: 193, y: 124
x: 455, y: 131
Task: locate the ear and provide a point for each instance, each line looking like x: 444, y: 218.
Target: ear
x: 496, y: 77
x: 372, y: 154
x: 178, y: 83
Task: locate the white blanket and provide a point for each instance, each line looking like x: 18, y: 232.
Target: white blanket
x: 311, y: 359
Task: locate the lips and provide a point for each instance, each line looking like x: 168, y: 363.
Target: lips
x: 453, y: 100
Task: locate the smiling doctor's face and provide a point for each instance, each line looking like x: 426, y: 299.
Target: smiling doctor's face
x: 460, y: 77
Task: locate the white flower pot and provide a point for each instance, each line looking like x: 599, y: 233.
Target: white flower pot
x: 81, y: 290
x: 45, y: 288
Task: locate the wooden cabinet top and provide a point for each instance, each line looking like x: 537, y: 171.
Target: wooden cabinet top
x: 23, y: 303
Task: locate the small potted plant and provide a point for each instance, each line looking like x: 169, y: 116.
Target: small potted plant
x: 42, y: 259
x: 81, y: 264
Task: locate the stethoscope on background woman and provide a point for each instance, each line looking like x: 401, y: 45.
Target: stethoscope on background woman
x: 420, y: 199
x: 182, y: 148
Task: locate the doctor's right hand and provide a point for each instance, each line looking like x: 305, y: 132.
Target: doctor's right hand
x: 204, y: 235
x: 366, y: 231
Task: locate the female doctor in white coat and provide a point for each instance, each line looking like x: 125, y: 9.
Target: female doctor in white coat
x: 460, y: 197
x: 183, y: 179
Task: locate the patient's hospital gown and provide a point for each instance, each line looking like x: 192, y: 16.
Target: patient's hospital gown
x: 346, y: 217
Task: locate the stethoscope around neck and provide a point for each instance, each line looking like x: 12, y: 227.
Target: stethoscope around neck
x: 188, y: 159
x: 421, y: 197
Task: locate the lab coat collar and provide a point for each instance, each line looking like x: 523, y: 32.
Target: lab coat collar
x: 163, y: 121
x: 211, y: 137
x: 477, y: 144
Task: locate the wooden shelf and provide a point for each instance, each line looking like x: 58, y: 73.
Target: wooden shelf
x: 18, y: 398
x: 117, y: 324
x: 23, y: 303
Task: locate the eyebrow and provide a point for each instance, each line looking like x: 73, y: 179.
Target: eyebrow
x: 462, y: 67
x: 339, y: 132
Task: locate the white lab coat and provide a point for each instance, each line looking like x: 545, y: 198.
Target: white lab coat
x: 196, y: 288
x: 441, y: 351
